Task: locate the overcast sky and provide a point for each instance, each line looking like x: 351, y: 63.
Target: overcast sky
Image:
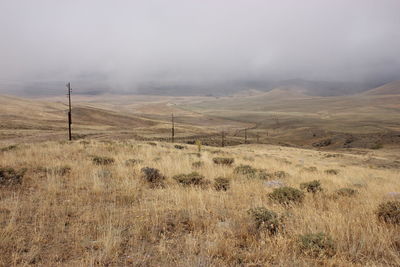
x: 131, y: 43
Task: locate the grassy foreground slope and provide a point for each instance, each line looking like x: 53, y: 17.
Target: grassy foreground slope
x: 86, y: 204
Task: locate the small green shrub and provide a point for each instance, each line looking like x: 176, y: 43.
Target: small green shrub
x: 193, y: 178
x: 346, y: 192
x: 10, y: 176
x: 311, y: 187
x: 223, y: 161
x: 332, y: 172
x: 266, y: 219
x: 197, y: 164
x: 287, y: 195
x: 221, y: 184
x: 102, y: 160
x: 389, y: 212
x: 246, y: 170
x: 316, y: 244
x: 153, y: 176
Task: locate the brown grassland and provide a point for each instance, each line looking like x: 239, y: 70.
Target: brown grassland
x: 69, y: 211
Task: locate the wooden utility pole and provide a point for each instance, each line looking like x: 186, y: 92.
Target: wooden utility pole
x: 223, y: 139
x: 69, y: 111
x: 173, y: 128
x: 245, y: 135
x: 258, y: 138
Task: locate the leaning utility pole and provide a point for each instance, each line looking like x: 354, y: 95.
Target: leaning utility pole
x: 69, y: 111
x: 245, y: 135
x: 173, y: 128
x: 223, y: 139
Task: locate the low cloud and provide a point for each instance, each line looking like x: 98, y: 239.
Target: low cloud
x: 134, y: 45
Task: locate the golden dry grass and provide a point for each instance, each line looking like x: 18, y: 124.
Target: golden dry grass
x: 108, y: 216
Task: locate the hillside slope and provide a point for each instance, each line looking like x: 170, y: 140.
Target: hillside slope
x: 392, y: 88
x: 89, y: 212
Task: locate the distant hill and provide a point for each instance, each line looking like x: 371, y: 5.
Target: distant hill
x: 321, y: 88
x: 392, y: 88
x: 94, y: 85
x: 24, y: 113
x: 310, y: 88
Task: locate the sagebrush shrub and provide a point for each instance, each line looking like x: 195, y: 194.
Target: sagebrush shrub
x: 98, y: 160
x: 246, y: 170
x: 266, y: 219
x: 310, y: 169
x: 316, y: 244
x: 175, y: 221
x: 193, y: 178
x: 280, y: 174
x: 389, y: 212
x: 133, y: 162
x: 197, y: 164
x: 153, y: 176
x: 287, y: 195
x: 332, y: 172
x: 60, y: 170
x: 179, y: 147
x: 346, y: 192
x: 10, y: 176
x: 263, y: 175
x: 312, y: 187
x: 221, y: 184
x: 8, y: 148
x: 223, y: 161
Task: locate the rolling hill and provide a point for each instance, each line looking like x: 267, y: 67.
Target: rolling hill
x: 392, y: 88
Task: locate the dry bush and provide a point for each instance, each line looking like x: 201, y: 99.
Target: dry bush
x: 346, y: 192
x: 389, y: 212
x: 193, y: 178
x: 266, y: 220
x: 197, y: 164
x: 280, y: 174
x: 263, y: 175
x: 221, y: 184
x: 99, y: 160
x: 8, y: 148
x: 332, y: 172
x: 246, y: 170
x: 133, y: 162
x: 153, y: 176
x: 287, y: 195
x: 59, y: 170
x: 310, y: 169
x: 316, y: 245
x: 179, y: 147
x: 10, y: 176
x: 223, y: 161
x: 311, y: 187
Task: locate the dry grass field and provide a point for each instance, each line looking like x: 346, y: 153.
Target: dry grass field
x: 87, y: 203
